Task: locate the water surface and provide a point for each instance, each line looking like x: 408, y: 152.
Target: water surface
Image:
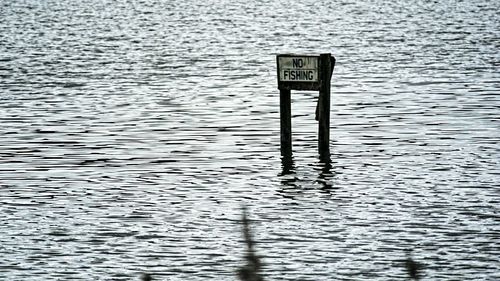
x: 133, y: 132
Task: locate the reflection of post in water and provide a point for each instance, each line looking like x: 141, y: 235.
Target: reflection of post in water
x: 325, y: 173
x: 287, y: 165
x: 288, y: 177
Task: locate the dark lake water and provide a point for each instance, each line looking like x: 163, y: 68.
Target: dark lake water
x: 132, y: 133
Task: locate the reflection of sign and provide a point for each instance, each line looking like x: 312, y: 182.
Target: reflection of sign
x: 298, y: 69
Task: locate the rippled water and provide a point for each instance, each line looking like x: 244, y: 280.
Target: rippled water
x: 133, y: 132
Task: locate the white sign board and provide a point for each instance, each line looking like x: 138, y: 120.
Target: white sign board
x: 298, y: 69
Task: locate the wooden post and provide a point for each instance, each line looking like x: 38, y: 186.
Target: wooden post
x: 326, y: 62
x: 286, y: 123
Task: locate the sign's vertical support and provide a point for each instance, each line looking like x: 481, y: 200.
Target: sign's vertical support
x: 326, y: 63
x: 286, y: 122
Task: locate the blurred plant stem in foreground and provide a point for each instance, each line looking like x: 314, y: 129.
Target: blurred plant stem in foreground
x: 249, y: 271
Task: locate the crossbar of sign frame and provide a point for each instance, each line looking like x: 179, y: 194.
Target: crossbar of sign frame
x: 298, y: 69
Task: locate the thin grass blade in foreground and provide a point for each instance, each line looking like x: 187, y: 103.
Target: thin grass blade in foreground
x: 412, y: 267
x: 249, y: 271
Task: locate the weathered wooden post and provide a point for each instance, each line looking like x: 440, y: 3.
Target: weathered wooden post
x: 305, y: 72
x: 327, y: 62
x: 286, y: 122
